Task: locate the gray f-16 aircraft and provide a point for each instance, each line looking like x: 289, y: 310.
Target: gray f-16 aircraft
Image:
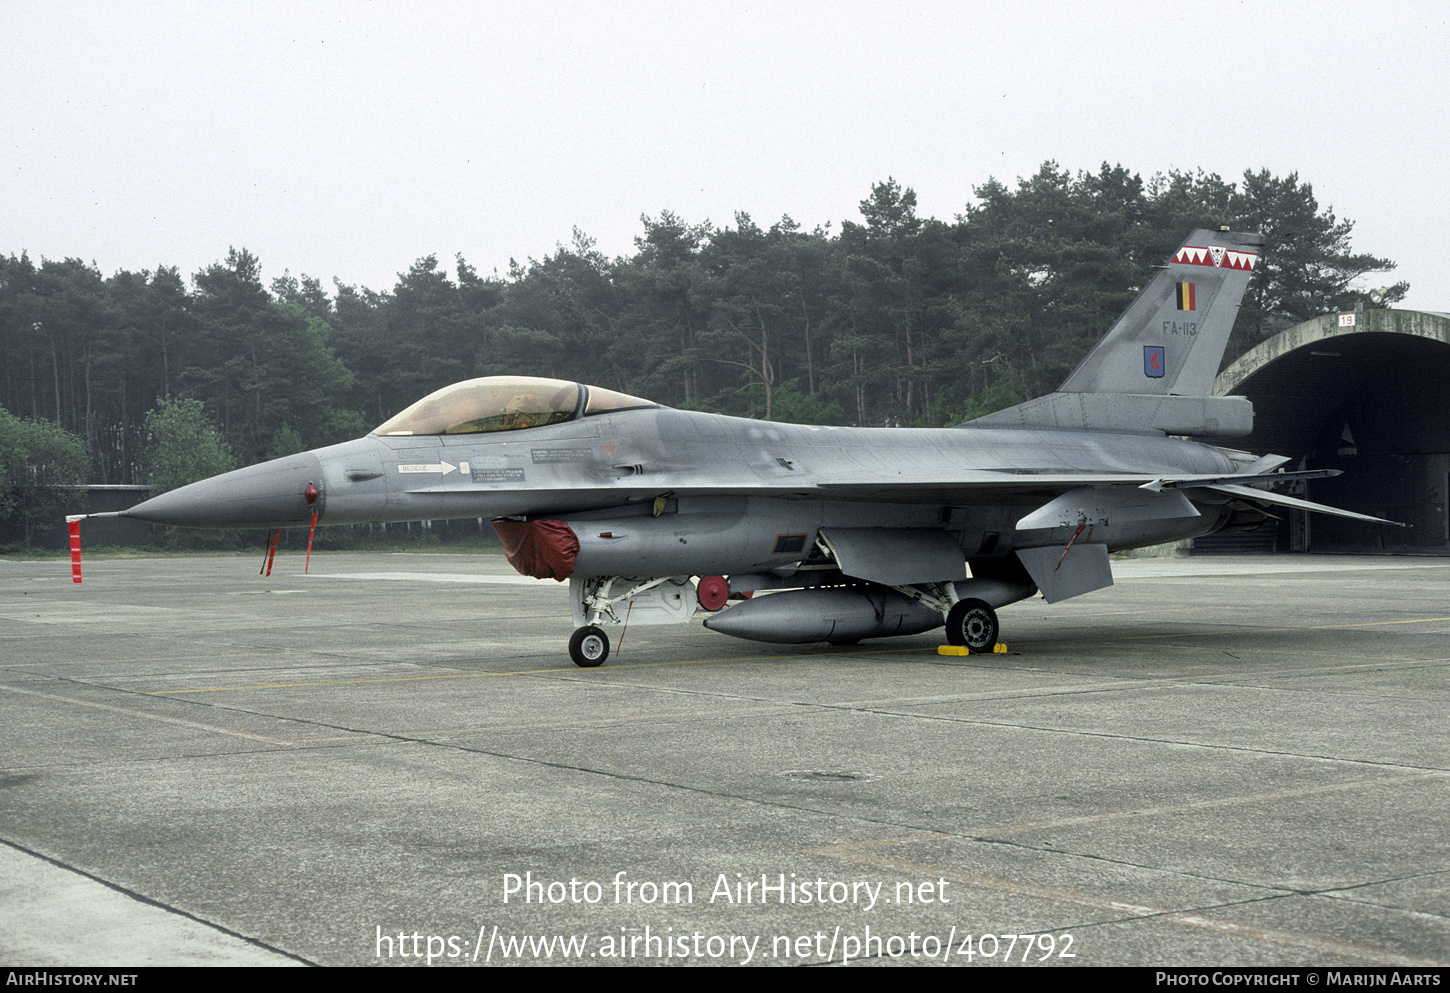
x: 845, y: 533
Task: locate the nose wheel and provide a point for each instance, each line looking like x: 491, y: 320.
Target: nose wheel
x: 589, y: 647
x: 973, y: 623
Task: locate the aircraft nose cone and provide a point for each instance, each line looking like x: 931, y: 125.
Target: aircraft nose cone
x: 280, y: 493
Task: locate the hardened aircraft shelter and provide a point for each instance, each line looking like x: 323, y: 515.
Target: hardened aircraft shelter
x: 1366, y: 392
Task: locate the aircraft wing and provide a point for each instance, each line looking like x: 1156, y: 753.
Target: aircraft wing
x: 985, y: 482
x: 907, y: 486
x: 974, y: 486
x: 967, y: 486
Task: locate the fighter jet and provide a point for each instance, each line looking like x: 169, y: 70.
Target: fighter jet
x: 791, y: 533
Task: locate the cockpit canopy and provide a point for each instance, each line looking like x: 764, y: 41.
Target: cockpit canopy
x: 505, y: 403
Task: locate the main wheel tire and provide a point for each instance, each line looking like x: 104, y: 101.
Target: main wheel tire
x: 973, y: 623
x: 589, y: 647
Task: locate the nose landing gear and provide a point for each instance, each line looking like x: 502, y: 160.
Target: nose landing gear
x: 589, y: 647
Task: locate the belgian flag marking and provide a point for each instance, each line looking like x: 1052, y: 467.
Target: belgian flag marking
x: 1186, y: 296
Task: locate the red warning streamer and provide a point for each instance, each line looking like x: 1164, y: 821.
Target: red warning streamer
x: 75, y: 548
x: 620, y: 643
x: 1080, y: 529
x: 310, y: 532
x: 271, y: 552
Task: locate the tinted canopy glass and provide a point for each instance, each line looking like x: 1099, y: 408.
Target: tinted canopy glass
x: 496, y: 403
x: 504, y: 403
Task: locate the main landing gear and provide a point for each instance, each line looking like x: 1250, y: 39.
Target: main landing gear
x: 973, y: 623
x: 589, y: 647
x: 970, y: 622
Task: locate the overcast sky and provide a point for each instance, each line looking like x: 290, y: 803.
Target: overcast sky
x: 350, y: 139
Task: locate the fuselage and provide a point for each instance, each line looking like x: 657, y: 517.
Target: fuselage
x: 713, y: 474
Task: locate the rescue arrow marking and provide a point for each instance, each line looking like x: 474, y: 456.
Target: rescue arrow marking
x: 440, y: 467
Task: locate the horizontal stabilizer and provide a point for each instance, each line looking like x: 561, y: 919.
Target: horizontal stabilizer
x: 1240, y: 478
x: 1278, y: 499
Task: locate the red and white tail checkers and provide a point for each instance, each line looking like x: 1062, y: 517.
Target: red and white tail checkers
x: 1217, y: 257
x: 75, y: 547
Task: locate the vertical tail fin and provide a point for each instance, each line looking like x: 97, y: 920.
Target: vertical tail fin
x: 1154, y: 369
x: 1171, y: 340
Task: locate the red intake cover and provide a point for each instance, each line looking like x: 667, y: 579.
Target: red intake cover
x: 541, y: 549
